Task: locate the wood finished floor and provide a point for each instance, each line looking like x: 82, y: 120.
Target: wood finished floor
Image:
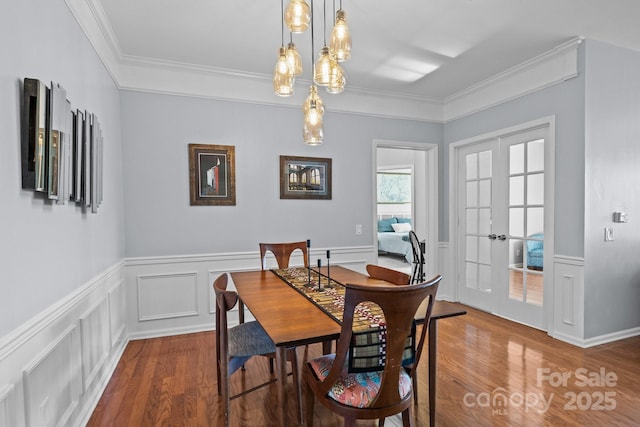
x: 172, y: 382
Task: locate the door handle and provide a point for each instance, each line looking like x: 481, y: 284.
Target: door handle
x: 502, y: 237
x: 492, y: 237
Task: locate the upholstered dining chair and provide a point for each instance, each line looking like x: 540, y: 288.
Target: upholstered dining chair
x: 236, y: 345
x: 387, y: 274
x: 386, y: 389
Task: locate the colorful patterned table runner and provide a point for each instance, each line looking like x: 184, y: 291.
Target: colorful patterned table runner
x: 331, y: 298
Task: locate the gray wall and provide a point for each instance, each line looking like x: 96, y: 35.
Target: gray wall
x: 612, y: 269
x: 159, y: 220
x: 565, y: 101
x: 48, y: 251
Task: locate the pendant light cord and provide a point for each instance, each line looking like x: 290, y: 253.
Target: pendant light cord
x: 312, y: 47
x: 282, y: 22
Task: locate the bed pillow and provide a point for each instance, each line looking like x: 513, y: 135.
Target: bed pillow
x: 401, y: 227
x: 385, y: 225
x: 404, y: 220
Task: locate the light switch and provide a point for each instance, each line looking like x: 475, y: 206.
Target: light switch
x: 358, y: 229
x: 608, y: 234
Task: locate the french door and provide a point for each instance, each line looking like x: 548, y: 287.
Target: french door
x: 501, y: 211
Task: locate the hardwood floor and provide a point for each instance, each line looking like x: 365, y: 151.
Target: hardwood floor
x: 491, y: 372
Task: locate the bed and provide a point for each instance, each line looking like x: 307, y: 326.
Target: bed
x: 393, y: 237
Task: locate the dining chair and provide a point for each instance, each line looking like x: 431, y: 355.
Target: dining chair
x: 417, y: 272
x: 379, y: 391
x: 387, y: 274
x: 236, y: 345
x: 282, y: 252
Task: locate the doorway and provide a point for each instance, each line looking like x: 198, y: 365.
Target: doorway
x: 503, y: 228
x: 420, y: 161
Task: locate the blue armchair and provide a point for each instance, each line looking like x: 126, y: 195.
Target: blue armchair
x: 535, y: 248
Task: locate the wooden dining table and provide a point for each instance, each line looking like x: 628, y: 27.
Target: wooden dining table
x: 292, y: 320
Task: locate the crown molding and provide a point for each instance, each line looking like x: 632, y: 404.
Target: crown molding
x: 174, y: 78
x: 555, y: 66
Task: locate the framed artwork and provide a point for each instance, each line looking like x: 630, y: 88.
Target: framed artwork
x: 212, y: 174
x: 305, y: 178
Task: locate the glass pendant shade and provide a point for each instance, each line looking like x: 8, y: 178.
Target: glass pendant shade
x: 337, y: 80
x: 294, y: 60
x: 322, y: 71
x: 297, y: 16
x: 312, y: 131
x: 283, y: 83
x: 340, y: 44
x: 313, y: 110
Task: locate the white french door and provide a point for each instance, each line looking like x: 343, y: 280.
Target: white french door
x: 501, y: 225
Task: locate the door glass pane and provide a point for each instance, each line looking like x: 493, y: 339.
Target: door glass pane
x: 472, y: 166
x: 484, y: 164
x: 535, y: 156
x: 484, y: 277
x: 535, y: 220
x: 516, y: 190
x: 516, y: 222
x: 472, y: 221
x: 472, y: 275
x: 472, y: 248
x: 535, y: 189
x: 484, y: 250
x: 516, y: 285
x: 534, y: 287
x: 516, y: 159
x: 472, y: 194
x: 484, y: 222
x: 515, y: 253
x: 484, y: 197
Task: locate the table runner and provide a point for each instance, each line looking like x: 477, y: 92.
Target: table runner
x: 368, y: 344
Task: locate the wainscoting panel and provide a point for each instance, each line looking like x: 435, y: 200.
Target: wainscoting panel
x: 6, y: 406
x: 117, y: 318
x: 174, y: 295
x: 165, y: 296
x: 95, y: 339
x: 52, y: 384
x: 568, y: 303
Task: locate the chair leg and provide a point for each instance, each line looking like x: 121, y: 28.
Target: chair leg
x: 381, y: 422
x: 407, y: 417
x: 308, y: 403
x: 414, y: 379
x: 349, y: 422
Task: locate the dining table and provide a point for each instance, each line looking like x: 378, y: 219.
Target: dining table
x: 291, y: 320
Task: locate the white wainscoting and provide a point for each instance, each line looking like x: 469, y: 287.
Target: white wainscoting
x: 568, y: 300
x: 174, y: 295
x: 54, y: 368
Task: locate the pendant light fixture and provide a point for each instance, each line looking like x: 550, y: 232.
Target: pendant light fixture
x: 293, y: 58
x: 283, y: 78
x: 340, y: 44
x: 326, y: 71
x: 298, y: 16
x: 324, y: 65
x: 313, y: 109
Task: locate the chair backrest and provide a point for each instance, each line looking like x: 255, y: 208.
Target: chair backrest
x: 392, y: 276
x: 415, y: 247
x: 399, y: 305
x: 225, y: 301
x: 282, y: 252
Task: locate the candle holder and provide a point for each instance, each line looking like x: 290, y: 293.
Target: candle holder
x: 328, y: 269
x: 319, y: 276
x: 308, y: 263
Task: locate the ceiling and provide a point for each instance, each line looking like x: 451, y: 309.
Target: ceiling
x: 426, y: 48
